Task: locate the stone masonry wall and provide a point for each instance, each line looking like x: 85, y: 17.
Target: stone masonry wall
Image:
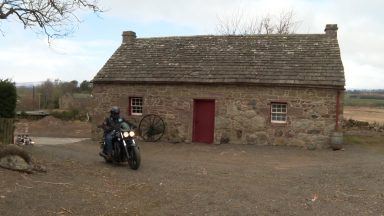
x: 242, y: 112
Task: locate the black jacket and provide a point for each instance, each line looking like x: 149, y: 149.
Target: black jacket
x: 111, y: 124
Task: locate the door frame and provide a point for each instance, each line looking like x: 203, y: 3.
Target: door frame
x: 194, y: 116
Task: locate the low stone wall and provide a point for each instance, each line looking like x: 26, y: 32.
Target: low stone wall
x: 242, y: 113
x: 349, y: 124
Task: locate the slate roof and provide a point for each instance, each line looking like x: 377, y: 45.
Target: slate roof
x: 297, y: 59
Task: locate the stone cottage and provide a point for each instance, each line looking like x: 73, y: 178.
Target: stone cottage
x: 251, y: 89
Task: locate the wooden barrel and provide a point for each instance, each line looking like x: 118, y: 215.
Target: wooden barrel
x: 336, y: 140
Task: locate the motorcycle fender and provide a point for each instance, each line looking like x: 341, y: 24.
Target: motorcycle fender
x: 133, y: 144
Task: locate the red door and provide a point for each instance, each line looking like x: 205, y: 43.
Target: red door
x: 203, y: 121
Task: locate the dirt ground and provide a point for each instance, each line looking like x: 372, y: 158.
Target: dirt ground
x: 53, y: 127
x: 196, y: 179
x: 367, y: 114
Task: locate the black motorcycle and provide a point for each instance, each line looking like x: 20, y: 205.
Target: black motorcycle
x: 124, y: 147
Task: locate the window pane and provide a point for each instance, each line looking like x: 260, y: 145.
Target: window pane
x: 136, y: 105
x: 278, y: 112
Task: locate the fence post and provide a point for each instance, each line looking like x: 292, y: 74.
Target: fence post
x: 6, y: 130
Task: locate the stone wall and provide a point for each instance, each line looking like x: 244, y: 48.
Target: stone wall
x: 242, y: 112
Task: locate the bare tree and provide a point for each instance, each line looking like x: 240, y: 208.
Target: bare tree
x: 236, y: 24
x: 56, y: 18
x: 231, y: 26
x: 285, y: 23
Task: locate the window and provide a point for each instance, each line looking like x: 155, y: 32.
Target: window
x: 278, y: 112
x: 136, y: 105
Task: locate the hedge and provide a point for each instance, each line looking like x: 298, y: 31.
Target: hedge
x: 7, y: 99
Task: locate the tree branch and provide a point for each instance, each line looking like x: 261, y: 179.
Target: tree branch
x: 235, y: 25
x: 5, y: 15
x: 55, y: 18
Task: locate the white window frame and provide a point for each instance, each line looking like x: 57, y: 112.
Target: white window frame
x: 136, y: 103
x: 279, y: 108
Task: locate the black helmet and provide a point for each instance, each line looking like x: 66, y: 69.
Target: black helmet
x: 115, y: 110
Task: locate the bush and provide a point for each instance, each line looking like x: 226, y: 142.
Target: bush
x: 69, y: 115
x: 7, y: 99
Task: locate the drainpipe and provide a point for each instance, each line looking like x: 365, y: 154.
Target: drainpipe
x: 337, y: 110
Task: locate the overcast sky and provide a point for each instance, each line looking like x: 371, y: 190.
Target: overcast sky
x: 26, y: 57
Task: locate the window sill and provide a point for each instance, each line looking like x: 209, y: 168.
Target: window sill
x: 279, y: 124
x: 136, y: 114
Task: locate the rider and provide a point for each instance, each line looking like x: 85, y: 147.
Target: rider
x: 109, y: 125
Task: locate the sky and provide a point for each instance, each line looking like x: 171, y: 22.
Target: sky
x: 27, y: 57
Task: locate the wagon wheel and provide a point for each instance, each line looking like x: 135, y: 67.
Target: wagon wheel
x: 151, y: 128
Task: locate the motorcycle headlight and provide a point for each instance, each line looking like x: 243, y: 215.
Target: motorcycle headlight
x: 131, y: 134
x: 126, y: 134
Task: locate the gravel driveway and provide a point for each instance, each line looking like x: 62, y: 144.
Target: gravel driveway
x: 195, y: 179
x: 56, y: 141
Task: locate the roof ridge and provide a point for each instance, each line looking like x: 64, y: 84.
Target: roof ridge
x: 232, y: 36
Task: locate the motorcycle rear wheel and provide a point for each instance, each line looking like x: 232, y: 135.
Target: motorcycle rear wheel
x: 135, y: 159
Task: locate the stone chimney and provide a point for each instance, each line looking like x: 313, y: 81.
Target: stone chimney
x: 129, y: 36
x: 331, y: 30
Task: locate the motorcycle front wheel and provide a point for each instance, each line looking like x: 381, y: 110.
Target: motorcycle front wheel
x: 135, y: 159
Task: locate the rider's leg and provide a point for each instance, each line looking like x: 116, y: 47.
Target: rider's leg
x: 108, y: 144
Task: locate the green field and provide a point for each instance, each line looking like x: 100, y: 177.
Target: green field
x: 362, y: 101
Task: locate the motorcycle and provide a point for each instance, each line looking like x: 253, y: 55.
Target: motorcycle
x: 124, y: 147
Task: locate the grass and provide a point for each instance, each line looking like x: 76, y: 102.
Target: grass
x: 374, y: 142
x: 364, y: 102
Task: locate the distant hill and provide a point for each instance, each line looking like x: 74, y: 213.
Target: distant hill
x: 28, y: 84
x: 365, y: 91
